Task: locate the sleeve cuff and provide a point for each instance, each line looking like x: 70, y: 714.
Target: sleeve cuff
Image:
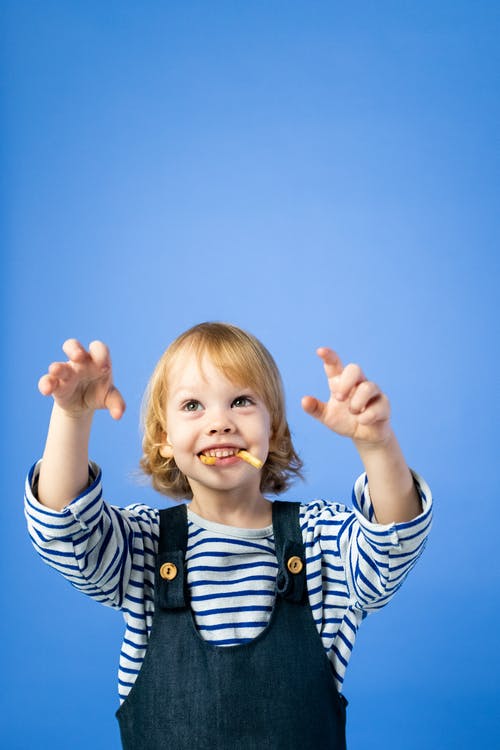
x: 395, y: 535
x: 82, y: 513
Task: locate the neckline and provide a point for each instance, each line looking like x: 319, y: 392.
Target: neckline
x: 225, y: 530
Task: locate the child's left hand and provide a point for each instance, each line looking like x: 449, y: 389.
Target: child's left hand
x: 357, y: 408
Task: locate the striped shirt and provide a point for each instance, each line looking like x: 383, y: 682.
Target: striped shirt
x: 354, y: 566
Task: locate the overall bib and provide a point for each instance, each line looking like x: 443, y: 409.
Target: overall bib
x: 276, y: 692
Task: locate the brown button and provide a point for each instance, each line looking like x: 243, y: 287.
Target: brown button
x: 168, y: 571
x: 295, y: 564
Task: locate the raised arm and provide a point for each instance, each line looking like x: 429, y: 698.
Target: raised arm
x: 79, y: 386
x: 358, y: 409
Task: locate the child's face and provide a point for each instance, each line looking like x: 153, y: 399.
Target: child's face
x: 208, y: 413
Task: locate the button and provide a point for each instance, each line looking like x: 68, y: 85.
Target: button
x: 295, y: 564
x: 168, y: 571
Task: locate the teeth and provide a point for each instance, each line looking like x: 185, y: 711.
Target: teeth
x: 220, y: 452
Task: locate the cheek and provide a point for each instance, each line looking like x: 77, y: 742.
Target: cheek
x: 183, y: 433
x: 272, y: 430
x: 178, y: 437
x: 174, y: 430
x: 266, y: 428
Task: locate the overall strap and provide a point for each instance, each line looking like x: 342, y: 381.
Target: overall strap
x: 290, y: 553
x: 171, y: 579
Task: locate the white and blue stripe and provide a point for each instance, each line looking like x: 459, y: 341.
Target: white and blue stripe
x: 354, y: 566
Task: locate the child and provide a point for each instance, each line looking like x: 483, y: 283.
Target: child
x: 241, y: 612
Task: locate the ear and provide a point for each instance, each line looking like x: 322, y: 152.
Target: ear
x: 166, y: 450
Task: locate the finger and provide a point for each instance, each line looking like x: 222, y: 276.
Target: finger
x: 100, y: 354
x: 75, y: 351
x: 115, y: 403
x: 350, y: 377
x: 61, y: 370
x: 362, y: 395
x: 313, y: 406
x: 47, y: 385
x: 378, y: 410
x: 331, y: 361
x: 58, y: 376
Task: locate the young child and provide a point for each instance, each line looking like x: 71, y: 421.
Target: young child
x: 241, y: 613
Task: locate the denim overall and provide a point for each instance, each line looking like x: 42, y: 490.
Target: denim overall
x: 276, y: 692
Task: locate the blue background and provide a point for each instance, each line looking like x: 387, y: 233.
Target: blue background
x: 320, y: 173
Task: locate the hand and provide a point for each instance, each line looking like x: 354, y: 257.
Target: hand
x: 356, y: 408
x: 85, y: 382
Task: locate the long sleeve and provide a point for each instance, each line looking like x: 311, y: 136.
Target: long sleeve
x: 377, y: 558
x: 354, y: 565
x: 101, y: 550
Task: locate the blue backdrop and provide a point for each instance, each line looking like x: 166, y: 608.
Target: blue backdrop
x: 320, y: 173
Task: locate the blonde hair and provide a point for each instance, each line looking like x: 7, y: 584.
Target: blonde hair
x: 243, y: 360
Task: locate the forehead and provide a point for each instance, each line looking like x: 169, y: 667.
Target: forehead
x: 190, y: 368
x: 241, y: 362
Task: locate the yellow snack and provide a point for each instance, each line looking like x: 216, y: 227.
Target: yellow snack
x: 207, y: 459
x: 252, y: 460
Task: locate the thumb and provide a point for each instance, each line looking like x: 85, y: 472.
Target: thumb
x: 313, y: 406
x: 115, y: 403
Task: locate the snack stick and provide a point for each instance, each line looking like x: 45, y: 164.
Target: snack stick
x: 244, y: 455
x: 252, y: 460
x: 207, y: 459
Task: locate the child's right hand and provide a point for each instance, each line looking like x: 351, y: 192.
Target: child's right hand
x: 85, y: 382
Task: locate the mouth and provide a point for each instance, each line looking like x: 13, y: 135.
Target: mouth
x: 228, y: 455
x: 220, y: 452
x: 219, y: 456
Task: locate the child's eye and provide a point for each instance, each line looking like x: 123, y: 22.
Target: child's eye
x: 192, y: 405
x: 242, y: 401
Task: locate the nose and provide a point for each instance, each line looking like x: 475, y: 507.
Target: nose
x: 220, y: 423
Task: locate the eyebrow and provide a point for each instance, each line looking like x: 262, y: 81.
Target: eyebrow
x: 185, y: 391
